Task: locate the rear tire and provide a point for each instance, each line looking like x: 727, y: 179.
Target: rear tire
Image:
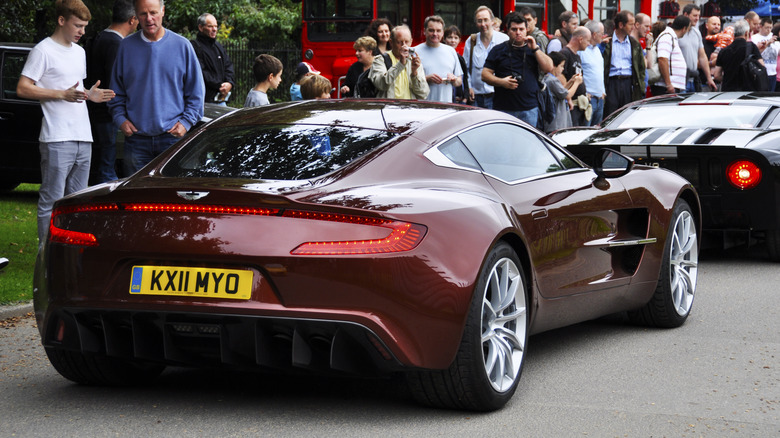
x: 673, y: 298
x: 100, y: 370
x: 489, y: 361
x: 773, y: 245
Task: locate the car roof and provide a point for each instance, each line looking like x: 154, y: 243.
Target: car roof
x: 26, y: 46
x: 387, y: 115
x: 714, y: 98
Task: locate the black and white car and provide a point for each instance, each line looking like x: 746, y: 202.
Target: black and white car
x: 726, y: 144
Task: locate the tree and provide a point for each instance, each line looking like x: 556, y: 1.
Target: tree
x: 251, y: 20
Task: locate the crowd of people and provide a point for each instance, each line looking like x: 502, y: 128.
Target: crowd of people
x: 151, y: 85
x: 586, y: 69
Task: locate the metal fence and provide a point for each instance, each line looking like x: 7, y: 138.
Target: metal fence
x: 243, y: 55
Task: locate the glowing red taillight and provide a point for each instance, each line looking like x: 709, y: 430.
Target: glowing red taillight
x: 743, y: 174
x: 69, y: 237
x: 403, y: 236
x: 198, y: 208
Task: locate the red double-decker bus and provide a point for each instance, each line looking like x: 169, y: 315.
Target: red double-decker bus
x: 330, y: 27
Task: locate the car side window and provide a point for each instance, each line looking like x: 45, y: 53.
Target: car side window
x: 456, y: 151
x: 13, y: 63
x: 510, y: 152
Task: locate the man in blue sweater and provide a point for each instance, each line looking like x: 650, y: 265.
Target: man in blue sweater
x: 159, y: 87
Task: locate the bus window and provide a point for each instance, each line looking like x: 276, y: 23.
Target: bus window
x: 461, y: 13
x: 398, y: 12
x: 340, y: 20
x: 604, y: 9
x: 556, y: 8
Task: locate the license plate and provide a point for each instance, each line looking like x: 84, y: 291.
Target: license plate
x: 191, y: 282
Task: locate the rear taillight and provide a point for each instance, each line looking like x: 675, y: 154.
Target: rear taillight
x: 743, y: 174
x: 200, y: 208
x: 404, y: 236
x: 69, y: 237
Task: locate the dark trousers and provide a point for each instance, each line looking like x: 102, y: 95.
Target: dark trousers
x: 618, y: 94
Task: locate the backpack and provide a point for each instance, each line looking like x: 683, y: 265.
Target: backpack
x: 546, y: 105
x: 754, y: 75
x: 653, y: 71
x: 364, y: 88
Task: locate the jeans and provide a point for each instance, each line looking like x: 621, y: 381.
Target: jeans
x: 141, y: 149
x: 690, y: 86
x: 598, y: 111
x: 103, y: 152
x: 64, y: 170
x: 530, y: 116
x: 484, y: 100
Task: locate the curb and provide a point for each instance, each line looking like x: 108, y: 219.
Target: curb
x: 15, y: 310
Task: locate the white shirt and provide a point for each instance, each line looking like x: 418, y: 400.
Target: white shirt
x: 769, y: 54
x: 478, y: 61
x: 668, y: 46
x: 441, y: 60
x: 56, y: 67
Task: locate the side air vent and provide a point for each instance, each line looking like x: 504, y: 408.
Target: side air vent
x: 710, y: 136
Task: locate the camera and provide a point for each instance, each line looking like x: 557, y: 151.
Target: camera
x: 518, y: 77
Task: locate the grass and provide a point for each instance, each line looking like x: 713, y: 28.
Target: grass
x: 18, y: 242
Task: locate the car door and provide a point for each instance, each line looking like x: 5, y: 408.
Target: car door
x: 568, y: 217
x: 20, y: 123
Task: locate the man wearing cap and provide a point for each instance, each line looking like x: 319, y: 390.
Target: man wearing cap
x: 303, y: 70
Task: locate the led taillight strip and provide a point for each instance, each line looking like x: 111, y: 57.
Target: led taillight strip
x: 199, y: 208
x: 60, y: 235
x: 403, y: 236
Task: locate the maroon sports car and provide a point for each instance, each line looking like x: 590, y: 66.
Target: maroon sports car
x: 366, y: 237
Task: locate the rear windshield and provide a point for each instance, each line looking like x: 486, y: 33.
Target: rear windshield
x: 690, y: 116
x: 280, y: 152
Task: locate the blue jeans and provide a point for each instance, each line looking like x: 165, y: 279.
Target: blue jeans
x: 484, y: 100
x: 598, y: 111
x: 103, y: 151
x: 141, y: 149
x: 530, y: 116
x: 64, y: 170
x: 690, y: 86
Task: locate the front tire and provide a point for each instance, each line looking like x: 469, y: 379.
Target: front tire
x: 671, y: 303
x: 489, y: 361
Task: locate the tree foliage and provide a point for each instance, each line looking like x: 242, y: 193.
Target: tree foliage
x: 250, y: 20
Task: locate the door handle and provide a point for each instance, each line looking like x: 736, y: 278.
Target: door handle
x: 539, y: 214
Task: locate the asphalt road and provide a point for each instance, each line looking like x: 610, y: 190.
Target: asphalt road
x: 718, y: 375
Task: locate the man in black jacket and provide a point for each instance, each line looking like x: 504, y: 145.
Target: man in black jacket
x: 214, y: 61
x: 101, y: 52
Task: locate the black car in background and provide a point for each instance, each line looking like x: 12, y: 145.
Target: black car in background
x: 20, y: 123
x: 726, y: 144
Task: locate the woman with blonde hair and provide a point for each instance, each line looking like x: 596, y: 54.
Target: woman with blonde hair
x: 364, y: 49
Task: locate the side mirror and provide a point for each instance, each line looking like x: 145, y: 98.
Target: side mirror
x: 609, y: 163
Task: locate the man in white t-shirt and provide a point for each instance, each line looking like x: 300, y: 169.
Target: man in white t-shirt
x: 439, y: 61
x: 53, y: 74
x: 476, y: 51
x: 768, y: 45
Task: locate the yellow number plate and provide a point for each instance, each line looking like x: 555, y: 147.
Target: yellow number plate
x: 191, y: 282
